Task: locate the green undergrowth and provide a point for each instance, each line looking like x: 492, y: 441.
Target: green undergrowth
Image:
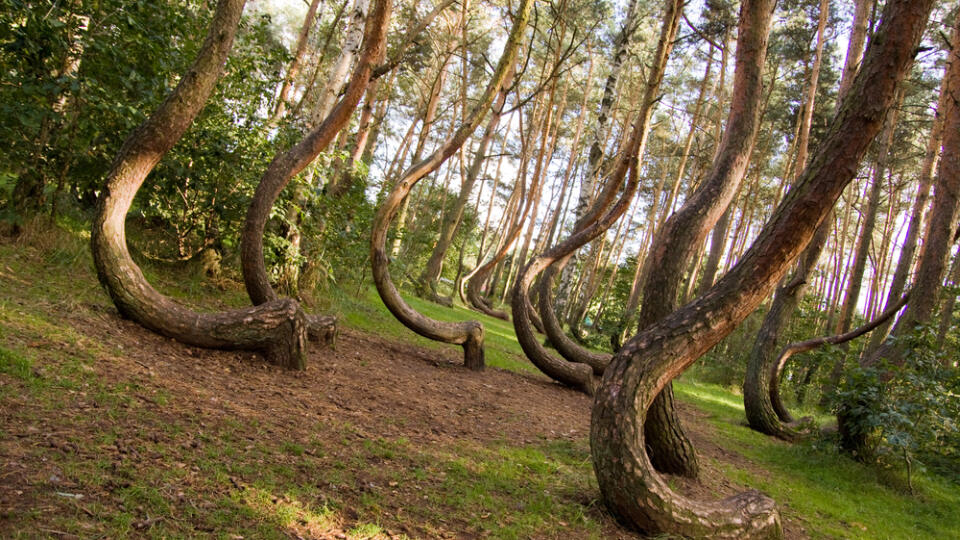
x: 120, y: 458
x: 831, y: 495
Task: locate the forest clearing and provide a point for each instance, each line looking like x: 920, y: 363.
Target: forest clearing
x: 471, y: 268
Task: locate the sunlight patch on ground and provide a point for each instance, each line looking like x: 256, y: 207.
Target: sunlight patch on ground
x: 710, y: 394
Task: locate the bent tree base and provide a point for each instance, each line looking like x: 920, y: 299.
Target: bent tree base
x: 627, y: 480
x: 277, y: 329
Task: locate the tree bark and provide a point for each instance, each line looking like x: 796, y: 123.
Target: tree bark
x: 590, y: 226
x: 685, y: 230
x: 631, y: 488
x: 787, y: 298
x: 287, y: 164
x: 278, y: 329
x: 469, y: 334
x: 756, y: 399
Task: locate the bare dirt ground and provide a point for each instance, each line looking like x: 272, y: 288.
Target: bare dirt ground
x: 340, y: 420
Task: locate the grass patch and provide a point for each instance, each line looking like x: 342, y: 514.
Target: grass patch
x: 833, y: 496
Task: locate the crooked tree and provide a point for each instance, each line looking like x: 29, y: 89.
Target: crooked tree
x: 629, y: 485
x: 468, y: 334
x: 276, y: 328
x: 287, y: 164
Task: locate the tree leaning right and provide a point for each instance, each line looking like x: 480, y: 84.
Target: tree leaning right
x: 629, y: 485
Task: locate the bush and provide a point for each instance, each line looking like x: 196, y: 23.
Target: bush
x: 908, y: 412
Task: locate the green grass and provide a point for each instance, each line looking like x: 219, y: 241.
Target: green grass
x: 833, y: 496
x: 367, y: 313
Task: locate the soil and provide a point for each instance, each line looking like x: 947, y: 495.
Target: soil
x: 365, y: 389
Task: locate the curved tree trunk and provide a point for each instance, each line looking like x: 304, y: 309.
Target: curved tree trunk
x: 557, y: 257
x: 785, y: 302
x: 787, y: 298
x: 765, y: 409
x: 594, y: 223
x: 287, y: 164
x: 674, y: 244
x: 469, y: 334
x: 278, y: 329
x: 518, y: 207
x: 631, y: 488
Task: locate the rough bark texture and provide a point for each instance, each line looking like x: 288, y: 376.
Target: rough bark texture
x: 287, y: 164
x: 647, y: 363
x: 278, y: 329
x: 686, y: 229
x: 469, y: 334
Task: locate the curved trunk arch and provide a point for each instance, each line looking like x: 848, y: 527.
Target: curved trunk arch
x: 648, y: 362
x: 278, y: 328
x: 468, y: 334
x: 765, y: 409
x: 575, y: 375
x: 287, y: 164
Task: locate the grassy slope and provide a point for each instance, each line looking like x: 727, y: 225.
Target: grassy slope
x: 509, y: 491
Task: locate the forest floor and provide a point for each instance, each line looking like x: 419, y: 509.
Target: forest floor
x: 110, y: 430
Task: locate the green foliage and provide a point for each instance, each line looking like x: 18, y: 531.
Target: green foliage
x: 907, y: 409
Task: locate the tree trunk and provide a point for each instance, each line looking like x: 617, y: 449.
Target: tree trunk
x: 590, y: 226
x: 593, y: 224
x: 429, y: 117
x: 596, y: 143
x: 786, y: 299
x: 756, y: 399
x: 685, y: 230
x: 278, y: 329
x: 287, y: 164
x: 655, y: 222
x: 469, y: 334
x: 631, y: 488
